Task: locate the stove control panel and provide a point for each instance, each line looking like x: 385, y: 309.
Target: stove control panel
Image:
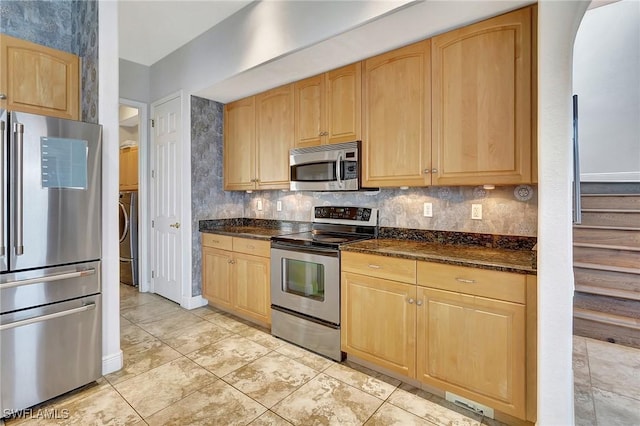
x: 361, y: 214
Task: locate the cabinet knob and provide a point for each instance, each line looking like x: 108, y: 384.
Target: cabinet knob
x: 419, y: 302
x: 434, y: 171
x: 410, y: 301
x: 3, y: 96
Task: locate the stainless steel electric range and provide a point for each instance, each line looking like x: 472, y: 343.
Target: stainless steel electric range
x: 305, y: 277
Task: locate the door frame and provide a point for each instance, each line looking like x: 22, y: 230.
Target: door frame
x: 144, y: 264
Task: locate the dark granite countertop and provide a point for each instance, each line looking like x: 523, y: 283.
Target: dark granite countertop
x: 257, y: 229
x: 519, y: 261
x: 500, y: 253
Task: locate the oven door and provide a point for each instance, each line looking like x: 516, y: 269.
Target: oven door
x: 307, y: 282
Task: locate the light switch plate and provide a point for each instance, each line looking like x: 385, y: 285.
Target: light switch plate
x: 259, y: 205
x: 476, y: 211
x: 428, y: 210
x: 279, y: 205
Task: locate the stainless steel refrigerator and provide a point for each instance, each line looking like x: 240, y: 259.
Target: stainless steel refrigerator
x: 50, y: 249
x: 128, y: 206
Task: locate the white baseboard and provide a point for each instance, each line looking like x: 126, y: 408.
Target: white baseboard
x: 193, y: 302
x: 610, y: 177
x: 111, y: 363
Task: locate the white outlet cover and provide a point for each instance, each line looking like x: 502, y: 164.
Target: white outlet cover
x: 476, y: 211
x: 279, y: 205
x: 259, y: 205
x: 428, y: 210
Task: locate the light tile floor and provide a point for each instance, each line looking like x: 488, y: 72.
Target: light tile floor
x: 204, y: 367
x: 606, y: 383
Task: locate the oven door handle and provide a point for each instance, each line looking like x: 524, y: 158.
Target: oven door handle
x: 317, y: 251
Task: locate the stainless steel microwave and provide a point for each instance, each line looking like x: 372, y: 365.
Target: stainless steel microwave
x: 334, y: 167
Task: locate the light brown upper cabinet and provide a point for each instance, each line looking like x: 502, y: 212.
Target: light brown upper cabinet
x: 328, y: 107
x: 258, y: 133
x: 39, y: 80
x: 274, y: 137
x: 482, y: 102
x: 397, y: 117
x: 239, y: 144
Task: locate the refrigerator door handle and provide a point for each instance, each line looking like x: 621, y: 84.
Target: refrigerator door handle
x: 48, y: 278
x: 125, y: 230
x: 18, y: 129
x: 22, y: 323
x: 2, y: 206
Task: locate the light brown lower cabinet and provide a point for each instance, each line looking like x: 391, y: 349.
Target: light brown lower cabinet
x: 459, y: 329
x: 236, y: 276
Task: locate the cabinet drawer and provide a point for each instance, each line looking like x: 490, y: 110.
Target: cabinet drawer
x: 393, y: 268
x: 222, y: 242
x: 480, y: 282
x: 250, y: 246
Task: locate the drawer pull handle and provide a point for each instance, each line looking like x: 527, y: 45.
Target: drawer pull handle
x: 215, y: 241
x: 374, y: 266
x: 466, y: 281
x: 251, y: 247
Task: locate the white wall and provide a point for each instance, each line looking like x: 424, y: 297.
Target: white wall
x: 135, y: 80
x: 606, y: 71
x: 557, y: 25
x: 108, y: 113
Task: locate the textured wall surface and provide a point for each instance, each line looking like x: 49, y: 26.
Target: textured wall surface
x: 68, y: 25
x: 85, y: 29
x: 208, y: 200
x: 508, y: 210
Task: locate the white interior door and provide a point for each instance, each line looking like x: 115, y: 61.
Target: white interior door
x: 165, y: 198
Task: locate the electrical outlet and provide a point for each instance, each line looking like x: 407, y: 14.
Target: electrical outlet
x: 476, y: 211
x: 279, y: 205
x: 259, y: 205
x: 428, y: 210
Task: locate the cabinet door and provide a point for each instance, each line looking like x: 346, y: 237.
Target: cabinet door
x: 274, y: 137
x: 38, y: 79
x: 239, y: 145
x: 251, y: 291
x: 216, y: 276
x: 344, y: 104
x: 482, y: 102
x: 397, y: 117
x: 129, y: 169
x: 473, y: 347
x: 379, y: 322
x: 309, y: 111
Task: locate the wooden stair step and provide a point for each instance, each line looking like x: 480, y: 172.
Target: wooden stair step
x: 620, y: 236
x: 601, y: 267
x: 611, y: 217
x: 606, y: 256
x: 624, y: 307
x: 607, y: 246
x: 610, y: 201
x: 606, y: 327
x: 607, y: 282
x: 606, y: 318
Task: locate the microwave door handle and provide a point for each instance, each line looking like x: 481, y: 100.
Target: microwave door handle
x: 339, y: 170
x: 2, y: 206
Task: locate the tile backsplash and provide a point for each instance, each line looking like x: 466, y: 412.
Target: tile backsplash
x: 508, y: 210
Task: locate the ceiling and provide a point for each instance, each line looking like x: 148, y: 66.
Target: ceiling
x: 149, y: 30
